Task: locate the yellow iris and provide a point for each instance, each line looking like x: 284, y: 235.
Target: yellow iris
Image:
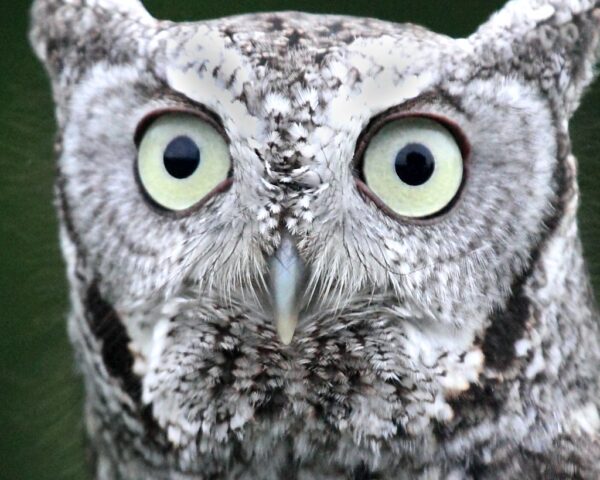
x: 414, y: 166
x: 181, y: 159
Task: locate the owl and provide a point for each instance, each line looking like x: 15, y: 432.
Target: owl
x: 323, y: 247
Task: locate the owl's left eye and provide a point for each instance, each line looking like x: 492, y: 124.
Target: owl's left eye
x: 181, y: 160
x: 414, y: 167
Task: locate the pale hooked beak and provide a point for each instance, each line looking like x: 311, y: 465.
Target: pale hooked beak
x: 286, y: 275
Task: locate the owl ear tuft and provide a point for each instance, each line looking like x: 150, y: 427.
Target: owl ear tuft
x: 69, y: 36
x: 552, y: 42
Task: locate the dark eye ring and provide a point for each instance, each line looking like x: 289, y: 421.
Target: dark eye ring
x: 413, y: 166
x: 182, y: 161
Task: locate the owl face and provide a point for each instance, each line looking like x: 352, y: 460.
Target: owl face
x: 298, y: 219
x: 294, y: 136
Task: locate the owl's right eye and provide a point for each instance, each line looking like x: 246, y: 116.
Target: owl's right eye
x: 182, y: 159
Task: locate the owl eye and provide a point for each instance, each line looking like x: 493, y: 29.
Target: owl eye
x: 182, y: 159
x: 414, y: 166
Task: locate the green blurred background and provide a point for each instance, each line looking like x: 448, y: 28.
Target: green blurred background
x: 40, y: 399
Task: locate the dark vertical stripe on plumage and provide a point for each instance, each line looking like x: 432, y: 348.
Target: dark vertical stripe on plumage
x: 107, y: 327
x: 508, y: 324
x: 362, y: 472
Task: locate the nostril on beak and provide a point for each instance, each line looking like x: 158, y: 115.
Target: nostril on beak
x: 286, y: 282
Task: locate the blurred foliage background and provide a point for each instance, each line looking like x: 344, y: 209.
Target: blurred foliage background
x: 41, y: 433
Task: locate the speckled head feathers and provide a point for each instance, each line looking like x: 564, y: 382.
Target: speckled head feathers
x: 459, y: 346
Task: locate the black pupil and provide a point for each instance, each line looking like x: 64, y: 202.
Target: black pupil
x: 414, y: 164
x: 181, y: 157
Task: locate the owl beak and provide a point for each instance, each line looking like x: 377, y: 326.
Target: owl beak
x: 286, y: 275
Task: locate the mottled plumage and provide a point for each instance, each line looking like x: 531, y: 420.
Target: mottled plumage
x: 463, y: 347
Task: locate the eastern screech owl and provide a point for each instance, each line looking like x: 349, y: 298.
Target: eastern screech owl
x: 323, y: 247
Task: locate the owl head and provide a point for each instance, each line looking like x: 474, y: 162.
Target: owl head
x: 292, y: 225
